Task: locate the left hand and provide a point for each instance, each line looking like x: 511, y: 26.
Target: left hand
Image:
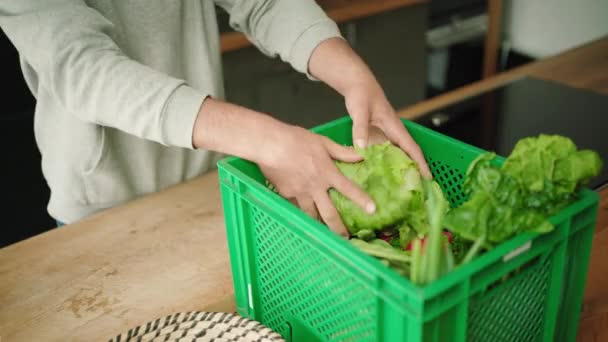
x: 337, y: 64
x: 369, y: 108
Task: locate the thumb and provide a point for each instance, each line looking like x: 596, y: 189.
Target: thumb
x: 361, y: 131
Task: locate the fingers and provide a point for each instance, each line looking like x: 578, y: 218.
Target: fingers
x: 399, y: 134
x: 416, y: 154
x: 360, y: 126
x: 329, y: 214
x: 341, y: 153
x: 353, y: 192
x: 308, y: 206
x: 339, y: 182
x: 360, y: 132
x: 414, y: 151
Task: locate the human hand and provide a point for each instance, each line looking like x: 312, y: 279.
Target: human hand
x: 303, y: 171
x: 337, y: 64
x: 369, y: 109
x: 299, y: 163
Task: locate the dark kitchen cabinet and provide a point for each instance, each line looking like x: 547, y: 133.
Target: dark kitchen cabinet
x: 24, y: 190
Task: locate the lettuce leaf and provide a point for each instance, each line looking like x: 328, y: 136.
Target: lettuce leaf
x: 550, y: 169
x: 540, y: 176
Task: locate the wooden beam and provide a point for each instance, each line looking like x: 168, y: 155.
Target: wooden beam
x: 492, y: 43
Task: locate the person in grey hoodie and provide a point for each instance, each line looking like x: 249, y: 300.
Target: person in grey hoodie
x: 129, y: 99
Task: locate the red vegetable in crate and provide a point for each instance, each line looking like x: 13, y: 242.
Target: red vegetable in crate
x: 386, y: 238
x: 410, y: 245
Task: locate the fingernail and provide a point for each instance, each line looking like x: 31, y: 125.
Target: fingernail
x: 370, y: 207
x: 360, y: 143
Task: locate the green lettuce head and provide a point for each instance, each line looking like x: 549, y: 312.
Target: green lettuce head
x: 393, y: 181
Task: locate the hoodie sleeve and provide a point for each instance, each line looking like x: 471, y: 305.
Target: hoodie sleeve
x: 290, y: 29
x: 69, y: 46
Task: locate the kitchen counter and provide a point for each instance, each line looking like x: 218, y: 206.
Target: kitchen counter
x: 166, y: 252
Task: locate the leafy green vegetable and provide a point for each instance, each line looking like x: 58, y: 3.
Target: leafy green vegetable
x: 473, y: 250
x: 406, y: 235
x: 381, y: 249
x: 406, y: 203
x: 395, y: 242
x: 538, y: 178
x: 365, y: 234
x: 541, y: 176
x: 550, y: 169
x: 393, y: 181
x: 416, y: 274
x: 430, y: 263
x: 459, y: 247
x: 436, y: 207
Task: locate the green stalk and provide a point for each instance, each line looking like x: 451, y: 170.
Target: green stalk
x: 433, y: 254
x: 436, y: 206
x: 474, y: 249
x: 450, y: 258
x: 415, y: 270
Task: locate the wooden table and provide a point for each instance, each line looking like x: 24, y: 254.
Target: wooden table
x: 91, y: 280
x: 167, y: 252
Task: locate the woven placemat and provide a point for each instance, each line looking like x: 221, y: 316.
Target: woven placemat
x: 201, y: 326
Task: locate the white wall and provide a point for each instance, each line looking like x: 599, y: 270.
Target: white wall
x: 540, y: 28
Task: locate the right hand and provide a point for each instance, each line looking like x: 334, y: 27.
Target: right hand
x: 303, y: 171
x: 296, y: 161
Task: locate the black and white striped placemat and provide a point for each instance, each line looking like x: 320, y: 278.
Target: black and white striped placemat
x: 201, y: 327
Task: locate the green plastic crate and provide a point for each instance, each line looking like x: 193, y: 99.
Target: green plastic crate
x: 296, y: 276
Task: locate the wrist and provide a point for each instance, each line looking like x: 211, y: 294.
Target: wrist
x: 239, y: 131
x: 338, y: 65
